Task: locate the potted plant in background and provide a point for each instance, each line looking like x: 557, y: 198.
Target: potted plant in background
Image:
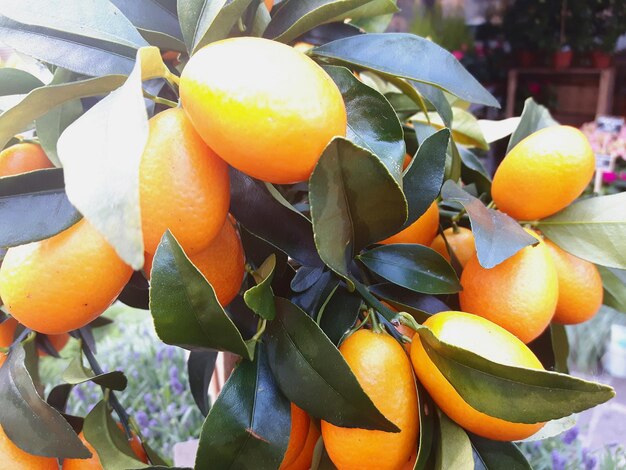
x: 609, y: 18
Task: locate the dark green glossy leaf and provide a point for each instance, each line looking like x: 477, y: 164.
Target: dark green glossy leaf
x: 614, y: 282
x: 339, y: 313
x: 436, y: 97
x: 426, y: 429
x: 98, y: 51
x: 41, y: 100
x: 421, y: 306
x: 512, y: 393
x: 136, y: 292
x: 260, y: 298
x: 473, y: 171
x: 109, y: 441
x: 184, y: 307
x: 494, y: 455
x: 200, y: 367
x: 560, y: 347
x: 32, y: 424
x: 17, y: 82
x: 313, y: 299
x: 253, y: 206
x: 413, y: 266
x: 375, y: 16
x: 592, y: 229
x: 404, y: 56
x: 534, y: 117
x: 454, y: 449
x: 498, y: 236
x: 34, y: 206
x: 305, y: 278
x: 372, y: 121
x: 313, y: 374
x: 58, y: 397
x: 249, y: 423
x: 354, y: 201
x: 51, y: 125
x: 77, y: 373
x: 423, y: 178
x: 295, y: 17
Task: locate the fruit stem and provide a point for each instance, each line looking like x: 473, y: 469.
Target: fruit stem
x: 113, y: 401
x: 491, y: 205
x: 456, y: 218
x: 373, y: 302
x: 408, y: 320
x: 260, y: 330
x: 376, y: 328
x: 172, y: 80
x: 159, y: 100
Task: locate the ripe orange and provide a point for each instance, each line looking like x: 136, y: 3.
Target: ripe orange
x: 93, y: 463
x: 222, y: 263
x: 264, y: 107
x: 410, y: 464
x: 183, y: 185
x: 543, y: 173
x: 520, y: 294
x: 269, y: 4
x: 14, y: 458
x: 422, y: 231
x: 580, y: 287
x: 384, y: 371
x: 7, y: 332
x: 461, y: 242
x: 23, y: 157
x: 304, y: 459
x: 407, y: 161
x: 486, y: 339
x: 299, y: 429
x: 62, y: 283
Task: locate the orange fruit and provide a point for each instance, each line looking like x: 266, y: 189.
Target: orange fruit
x: 520, y: 294
x: 461, y: 242
x: 183, y: 185
x: 93, y: 463
x: 543, y: 173
x: 23, y: 157
x: 488, y: 340
x: 384, y: 371
x: 407, y: 161
x: 62, y: 283
x: 222, y: 263
x: 269, y: 4
x: 7, y: 332
x: 264, y: 107
x: 410, y: 464
x: 580, y: 287
x: 304, y: 459
x: 14, y: 458
x: 297, y: 438
x: 422, y: 231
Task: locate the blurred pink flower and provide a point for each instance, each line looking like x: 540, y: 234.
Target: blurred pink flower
x: 608, y: 177
x: 458, y: 55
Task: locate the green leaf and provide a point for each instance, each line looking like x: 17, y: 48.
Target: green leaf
x: 51, y: 125
x: 494, y: 455
x: 592, y: 229
x: 404, y: 56
x: 426, y: 429
x: 498, y: 236
x: 437, y: 98
x: 249, y: 423
x: 109, y: 441
x: 34, y: 206
x: 260, y: 298
x: 454, y: 449
x: 534, y: 117
x: 200, y: 367
x: 553, y: 428
x: 89, y: 38
x: 420, y: 306
x: 413, y: 266
x: 339, y: 313
x: 41, y: 100
x: 295, y: 17
x: 560, y: 347
x: 373, y: 8
x: 28, y: 421
x: 496, y: 130
x: 354, y: 201
x: 372, y: 121
x: 96, y: 19
x: 614, y: 283
x: 184, y: 307
x: 465, y: 128
x: 313, y: 374
x: 423, y: 178
x: 17, y: 82
x: 473, y: 171
x: 156, y: 23
x: 103, y: 183
x: 77, y: 373
x: 512, y: 393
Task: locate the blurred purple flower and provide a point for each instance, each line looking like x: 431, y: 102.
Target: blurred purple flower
x: 176, y: 386
x: 171, y: 352
x: 160, y: 355
x: 558, y: 461
x: 589, y: 460
x: 153, y: 422
x: 134, y: 374
x: 80, y: 393
x: 147, y: 398
x: 171, y: 409
x: 146, y: 432
x: 173, y: 373
x: 570, y: 435
x: 142, y: 418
